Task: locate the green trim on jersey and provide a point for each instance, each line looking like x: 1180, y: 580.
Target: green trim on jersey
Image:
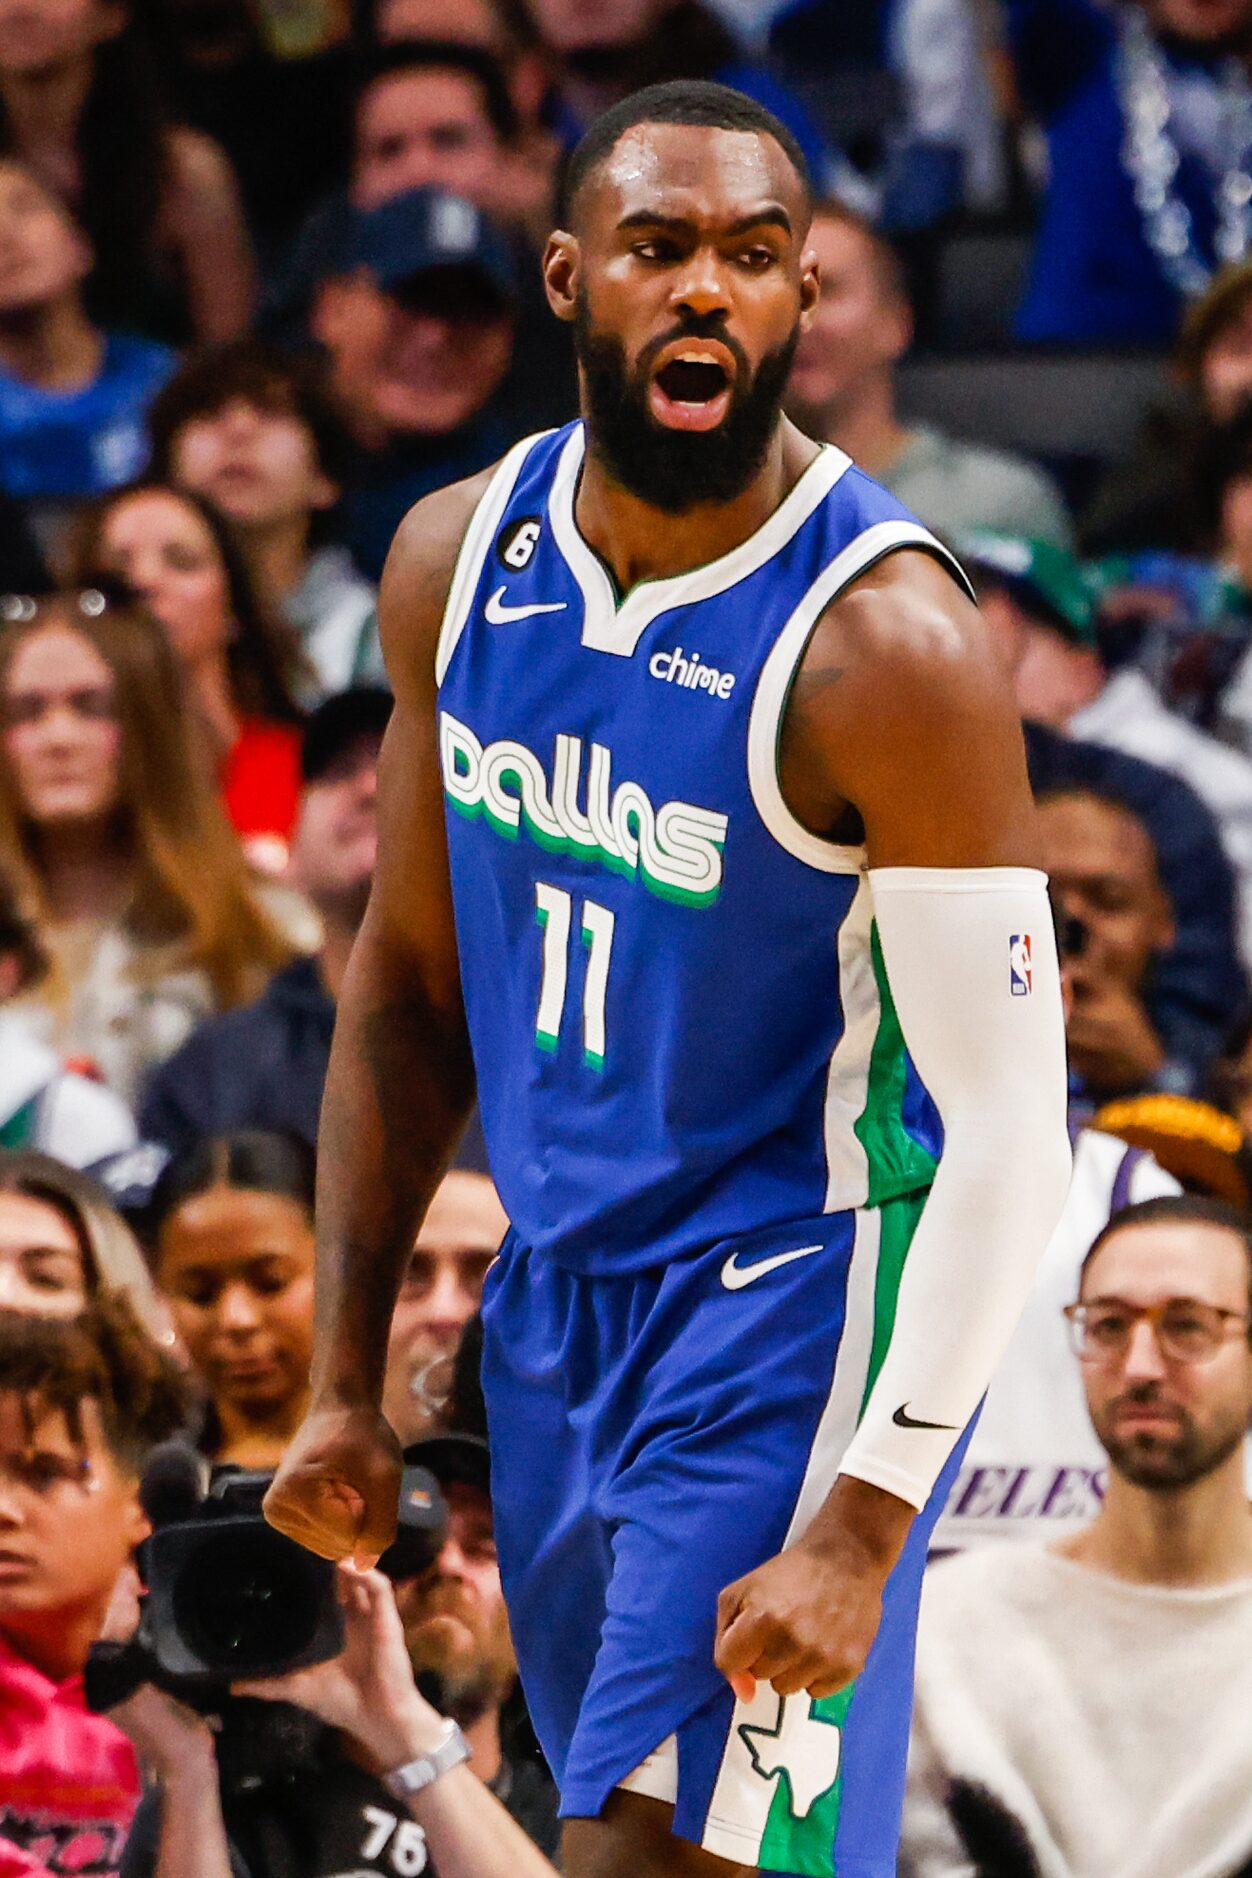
x: 899, y: 1219
x: 20, y: 1129
x: 896, y: 1162
x: 804, y: 1846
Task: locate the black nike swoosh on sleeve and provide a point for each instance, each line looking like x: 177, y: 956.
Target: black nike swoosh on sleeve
x: 903, y: 1419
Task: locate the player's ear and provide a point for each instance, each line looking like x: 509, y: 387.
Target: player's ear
x: 810, y: 287
x: 562, y: 269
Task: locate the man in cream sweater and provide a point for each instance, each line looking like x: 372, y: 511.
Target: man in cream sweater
x: 1081, y: 1710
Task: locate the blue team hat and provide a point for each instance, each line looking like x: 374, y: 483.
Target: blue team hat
x: 425, y: 230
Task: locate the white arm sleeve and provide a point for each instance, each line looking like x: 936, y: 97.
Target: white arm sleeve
x: 971, y: 962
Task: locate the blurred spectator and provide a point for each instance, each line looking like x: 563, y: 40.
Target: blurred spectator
x: 426, y: 115
x: 456, y: 1631
x: 1204, y: 1149
x: 597, y: 55
x: 1144, y: 503
x: 231, y: 1230
x: 174, y: 550
x: 22, y: 567
x: 525, y: 192
x: 62, y: 1245
x: 1144, y: 112
x: 1045, y: 1676
x: 1105, y: 880
x: 79, y: 105
x: 1198, y: 986
x: 1222, y: 480
x: 420, y: 334
x: 1231, y: 1083
x: 72, y: 398
x: 477, y: 23
x: 118, y: 849
x: 42, y: 1105
x: 281, y: 114
x: 438, y: 114
x: 332, y: 1810
x: 842, y: 391
x: 439, y: 1294
x: 435, y: 114
x: 82, y: 1401
x: 264, y: 1066
x: 251, y: 430
x: 1042, y: 619
x: 941, y: 147
x: 1033, y: 1468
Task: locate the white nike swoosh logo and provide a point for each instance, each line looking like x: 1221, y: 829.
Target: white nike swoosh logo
x: 501, y: 615
x: 735, y: 1277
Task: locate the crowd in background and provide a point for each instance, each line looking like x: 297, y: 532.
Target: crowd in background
x: 268, y: 275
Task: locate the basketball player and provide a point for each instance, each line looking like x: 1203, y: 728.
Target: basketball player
x: 701, y: 796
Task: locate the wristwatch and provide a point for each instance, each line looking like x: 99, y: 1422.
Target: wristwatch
x: 452, y: 1748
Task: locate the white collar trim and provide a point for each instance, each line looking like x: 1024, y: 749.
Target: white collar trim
x: 608, y: 627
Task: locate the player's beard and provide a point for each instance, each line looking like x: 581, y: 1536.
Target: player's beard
x: 1164, y: 1463
x: 676, y: 470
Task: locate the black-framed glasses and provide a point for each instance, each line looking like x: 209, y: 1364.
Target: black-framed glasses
x: 1186, y: 1330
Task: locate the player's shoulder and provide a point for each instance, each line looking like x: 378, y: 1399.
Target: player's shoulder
x: 419, y: 570
x: 905, y: 612
x: 901, y: 647
x: 430, y: 536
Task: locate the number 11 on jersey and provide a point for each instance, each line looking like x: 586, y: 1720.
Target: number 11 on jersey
x: 554, y: 912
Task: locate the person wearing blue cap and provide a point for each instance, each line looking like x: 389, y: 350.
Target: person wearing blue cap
x: 419, y: 326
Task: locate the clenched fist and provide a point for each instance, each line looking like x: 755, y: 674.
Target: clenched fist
x: 807, y: 1619
x: 338, y: 1487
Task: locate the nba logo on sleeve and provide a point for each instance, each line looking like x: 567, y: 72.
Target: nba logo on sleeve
x: 1021, y: 977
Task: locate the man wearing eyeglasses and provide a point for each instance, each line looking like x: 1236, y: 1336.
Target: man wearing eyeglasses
x: 1086, y: 1703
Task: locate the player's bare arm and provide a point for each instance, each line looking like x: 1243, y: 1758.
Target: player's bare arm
x: 400, y: 1082
x: 901, y: 717
x: 899, y: 732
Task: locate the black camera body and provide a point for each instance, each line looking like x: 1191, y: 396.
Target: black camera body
x: 227, y: 1596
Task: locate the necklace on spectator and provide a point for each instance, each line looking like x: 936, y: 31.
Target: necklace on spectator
x: 1151, y: 158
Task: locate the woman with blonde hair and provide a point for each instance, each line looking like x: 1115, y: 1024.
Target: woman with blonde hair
x: 113, y: 833
x: 62, y: 1243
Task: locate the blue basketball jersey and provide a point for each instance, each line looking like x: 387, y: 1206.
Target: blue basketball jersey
x: 675, y: 995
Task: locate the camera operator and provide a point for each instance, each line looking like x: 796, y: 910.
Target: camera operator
x: 456, y: 1628
x: 340, y: 1805
x: 82, y: 1401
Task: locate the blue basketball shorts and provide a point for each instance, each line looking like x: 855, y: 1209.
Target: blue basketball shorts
x: 653, y: 1437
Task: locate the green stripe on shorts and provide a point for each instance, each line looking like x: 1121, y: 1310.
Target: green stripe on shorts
x: 800, y: 1831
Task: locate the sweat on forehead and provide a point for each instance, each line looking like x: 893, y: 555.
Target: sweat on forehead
x: 653, y: 123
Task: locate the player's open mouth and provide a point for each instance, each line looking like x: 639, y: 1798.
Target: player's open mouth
x: 690, y: 391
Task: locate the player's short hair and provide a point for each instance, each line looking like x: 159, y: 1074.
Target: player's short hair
x: 696, y: 101
x: 890, y: 269
x: 1177, y: 1209
x: 104, y: 1355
